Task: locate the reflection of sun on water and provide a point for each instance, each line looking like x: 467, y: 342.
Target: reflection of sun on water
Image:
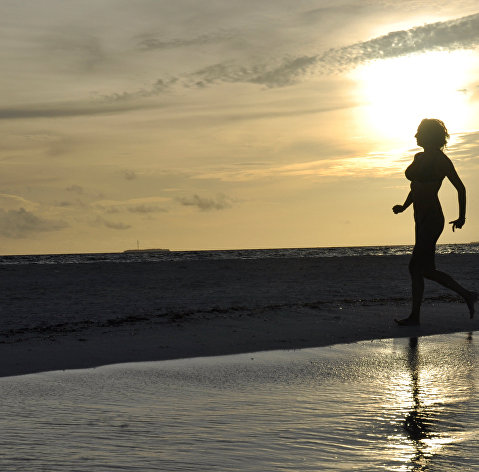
x: 417, y: 402
x: 399, y: 92
x: 424, y: 401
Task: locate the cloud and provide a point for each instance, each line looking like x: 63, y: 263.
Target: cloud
x: 159, y: 86
x: 133, y: 205
x: 111, y: 224
x: 86, y: 52
x: 151, y: 42
x: 465, y: 147
x: 370, y: 165
x: 75, y: 189
x: 22, y: 223
x: 112, y: 210
x: 285, y: 72
x: 146, y: 209
x: 459, y: 33
x: 103, y: 106
x: 336, y: 10
x: 15, y: 202
x: 116, y: 225
x: 206, y: 204
x: 129, y: 174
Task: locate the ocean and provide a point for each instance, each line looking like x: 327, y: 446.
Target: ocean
x: 470, y: 248
x: 390, y: 405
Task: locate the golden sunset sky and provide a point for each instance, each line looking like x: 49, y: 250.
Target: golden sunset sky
x: 221, y: 124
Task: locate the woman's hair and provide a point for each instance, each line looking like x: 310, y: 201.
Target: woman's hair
x: 432, y: 133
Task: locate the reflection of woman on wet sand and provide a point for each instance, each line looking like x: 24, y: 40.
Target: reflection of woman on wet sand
x: 418, y: 421
x: 426, y: 174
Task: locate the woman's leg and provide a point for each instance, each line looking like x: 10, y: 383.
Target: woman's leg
x: 417, y: 286
x: 422, y: 260
x: 423, y: 264
x: 447, y: 281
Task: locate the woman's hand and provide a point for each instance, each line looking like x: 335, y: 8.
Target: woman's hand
x: 459, y: 223
x: 398, y: 209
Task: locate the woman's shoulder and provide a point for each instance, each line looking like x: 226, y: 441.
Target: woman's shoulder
x: 437, y: 156
x: 444, y: 160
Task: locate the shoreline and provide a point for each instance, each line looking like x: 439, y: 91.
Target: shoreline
x: 216, y: 335
x: 72, y: 316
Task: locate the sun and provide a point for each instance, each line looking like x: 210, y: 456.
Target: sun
x: 397, y: 93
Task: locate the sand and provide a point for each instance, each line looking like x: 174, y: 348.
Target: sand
x: 85, y: 315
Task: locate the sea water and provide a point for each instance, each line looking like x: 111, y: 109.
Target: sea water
x: 392, y: 405
x: 351, y: 251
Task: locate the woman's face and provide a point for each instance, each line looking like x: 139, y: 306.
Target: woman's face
x: 418, y: 137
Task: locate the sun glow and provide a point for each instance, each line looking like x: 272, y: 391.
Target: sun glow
x: 397, y: 93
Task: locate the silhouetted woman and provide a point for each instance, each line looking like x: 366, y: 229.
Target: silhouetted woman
x: 426, y: 174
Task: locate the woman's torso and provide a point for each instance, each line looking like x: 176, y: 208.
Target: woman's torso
x: 426, y: 174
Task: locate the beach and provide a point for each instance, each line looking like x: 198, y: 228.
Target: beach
x: 70, y: 316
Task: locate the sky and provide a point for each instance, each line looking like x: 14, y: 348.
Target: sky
x: 228, y: 123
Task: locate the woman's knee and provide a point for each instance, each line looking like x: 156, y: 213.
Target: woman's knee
x: 429, y: 273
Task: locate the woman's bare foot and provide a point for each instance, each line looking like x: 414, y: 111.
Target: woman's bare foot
x: 411, y: 320
x: 471, y: 299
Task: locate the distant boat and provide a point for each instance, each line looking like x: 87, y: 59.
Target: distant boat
x: 145, y: 250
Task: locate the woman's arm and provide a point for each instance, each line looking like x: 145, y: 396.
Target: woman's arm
x: 400, y: 208
x: 461, y: 196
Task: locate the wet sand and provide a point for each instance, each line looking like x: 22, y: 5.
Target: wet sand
x: 86, y: 315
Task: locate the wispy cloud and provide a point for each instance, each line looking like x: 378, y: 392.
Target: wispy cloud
x: 147, y: 209
x: 460, y: 33
x: 284, y: 72
x: 22, y: 223
x: 159, y: 86
x: 75, y: 189
x: 370, y: 165
x: 221, y: 202
x: 86, y: 52
x: 133, y: 205
x: 129, y: 174
x: 154, y: 41
x: 109, y: 105
x: 465, y: 148
x: 15, y: 202
x: 117, y: 225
